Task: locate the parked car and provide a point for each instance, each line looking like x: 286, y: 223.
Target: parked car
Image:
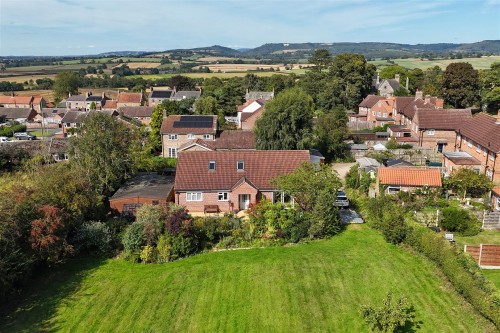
x: 341, y: 200
x: 4, y: 139
x: 24, y: 136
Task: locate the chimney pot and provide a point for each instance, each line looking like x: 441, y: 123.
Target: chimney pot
x: 396, y: 77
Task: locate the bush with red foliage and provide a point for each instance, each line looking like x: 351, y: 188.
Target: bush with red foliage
x: 48, y: 234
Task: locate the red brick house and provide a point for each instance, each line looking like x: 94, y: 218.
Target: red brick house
x: 435, y: 128
x: 249, y: 112
x: 129, y: 99
x: 367, y: 103
x: 227, y: 181
x: 480, y: 138
x: 453, y: 160
x: 381, y: 113
x: 176, y: 131
x: 394, y: 180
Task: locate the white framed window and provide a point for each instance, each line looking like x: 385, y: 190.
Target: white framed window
x: 489, y: 174
x: 459, y: 137
x: 373, y: 113
x: 194, y: 196
x: 384, y: 115
x: 431, y: 131
x: 206, y: 136
x: 393, y: 189
x: 478, y: 148
x: 172, y: 136
x: 240, y: 166
x: 492, y: 156
x: 172, y: 152
x: 211, y: 165
x: 222, y: 196
x: 191, y: 136
x: 469, y: 143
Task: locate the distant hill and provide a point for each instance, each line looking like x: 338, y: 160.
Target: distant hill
x: 121, y: 54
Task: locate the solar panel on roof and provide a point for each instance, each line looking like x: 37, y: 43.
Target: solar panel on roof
x: 192, y: 124
x: 207, y: 119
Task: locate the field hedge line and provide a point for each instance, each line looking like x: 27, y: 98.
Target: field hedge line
x: 458, y: 267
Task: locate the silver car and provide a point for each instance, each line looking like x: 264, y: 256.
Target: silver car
x: 341, y: 200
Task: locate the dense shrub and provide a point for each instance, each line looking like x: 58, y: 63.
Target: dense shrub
x: 392, y: 316
x: 10, y: 130
x: 133, y: 238
x: 153, y: 220
x: 459, y: 220
x: 93, y: 238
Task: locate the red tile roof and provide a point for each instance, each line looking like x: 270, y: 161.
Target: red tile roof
x: 168, y: 127
x: 260, y: 167
x: 410, y: 177
x: 484, y: 130
x: 370, y: 101
x: 15, y: 99
x: 124, y: 97
x: 136, y: 111
x: 441, y: 119
x: 237, y: 139
x: 110, y: 105
x: 199, y: 142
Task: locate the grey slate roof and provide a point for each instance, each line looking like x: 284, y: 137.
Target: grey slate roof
x: 184, y: 94
x: 76, y: 98
x: 149, y: 185
x: 74, y: 117
x: 265, y: 95
x: 161, y: 94
x: 16, y: 113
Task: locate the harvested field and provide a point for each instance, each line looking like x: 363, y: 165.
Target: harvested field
x: 134, y: 65
x: 246, y: 67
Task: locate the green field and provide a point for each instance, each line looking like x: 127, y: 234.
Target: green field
x: 477, y: 63
x: 315, y: 287
x: 206, y: 75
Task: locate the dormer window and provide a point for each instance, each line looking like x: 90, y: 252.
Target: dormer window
x: 240, y: 166
x: 211, y: 165
x: 206, y: 136
x: 172, y: 136
x: 190, y: 136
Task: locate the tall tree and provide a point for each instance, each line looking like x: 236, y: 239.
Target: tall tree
x: 206, y: 105
x: 155, y: 125
x: 460, y: 85
x: 105, y: 151
x: 286, y: 123
x: 330, y: 133
x: 490, y: 87
x: 433, y: 81
x: 321, y: 59
x: 354, y: 75
x: 65, y: 83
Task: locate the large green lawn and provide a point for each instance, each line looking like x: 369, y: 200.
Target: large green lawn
x: 477, y: 63
x: 315, y: 287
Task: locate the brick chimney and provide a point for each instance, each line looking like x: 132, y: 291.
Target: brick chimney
x: 427, y: 98
x: 396, y: 77
x: 419, y: 94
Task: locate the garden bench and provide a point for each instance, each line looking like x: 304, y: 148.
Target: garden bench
x: 211, y: 209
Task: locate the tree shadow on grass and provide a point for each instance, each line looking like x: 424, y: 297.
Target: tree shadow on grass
x: 34, y: 309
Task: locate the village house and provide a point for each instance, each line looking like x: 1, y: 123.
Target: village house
x: 249, y: 112
x: 405, y: 107
x: 129, y: 99
x: 407, y: 179
x: 263, y: 95
x: 27, y: 102
x: 388, y: 87
x: 381, y: 113
x: 185, y: 94
x: 140, y: 113
x: 178, y: 130
x: 225, y: 140
x: 71, y: 121
x: 143, y: 189
x: 479, y: 137
x: 55, y: 149
x: 50, y: 116
x: 364, y: 108
x: 435, y: 128
x: 110, y: 105
x: 98, y: 100
x: 21, y: 115
x: 76, y: 102
x: 157, y: 96
x: 231, y: 181
x: 454, y: 160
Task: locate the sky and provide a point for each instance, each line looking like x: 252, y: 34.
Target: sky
x: 81, y: 27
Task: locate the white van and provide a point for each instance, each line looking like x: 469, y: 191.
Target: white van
x: 4, y: 139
